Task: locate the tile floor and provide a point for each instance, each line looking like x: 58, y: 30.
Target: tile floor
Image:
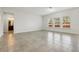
x: 39, y: 41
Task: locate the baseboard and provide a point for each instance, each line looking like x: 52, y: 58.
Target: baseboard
x: 21, y: 31
x: 27, y: 31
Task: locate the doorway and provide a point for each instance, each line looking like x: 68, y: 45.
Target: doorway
x: 8, y: 22
x: 10, y: 25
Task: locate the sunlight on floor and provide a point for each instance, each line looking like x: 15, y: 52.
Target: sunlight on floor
x: 60, y: 40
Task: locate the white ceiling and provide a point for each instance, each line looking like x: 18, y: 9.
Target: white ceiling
x: 37, y: 10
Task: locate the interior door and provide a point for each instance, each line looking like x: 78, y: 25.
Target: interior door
x: 10, y: 25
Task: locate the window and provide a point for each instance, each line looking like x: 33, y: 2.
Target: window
x: 57, y: 22
x: 50, y: 24
x: 66, y: 22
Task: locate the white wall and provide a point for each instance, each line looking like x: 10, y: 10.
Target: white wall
x: 73, y: 13
x: 1, y: 23
x: 5, y: 22
x: 25, y: 22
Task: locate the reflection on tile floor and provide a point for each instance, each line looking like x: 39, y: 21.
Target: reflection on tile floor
x: 39, y: 41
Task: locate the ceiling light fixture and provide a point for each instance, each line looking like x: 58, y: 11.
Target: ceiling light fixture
x: 50, y: 7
